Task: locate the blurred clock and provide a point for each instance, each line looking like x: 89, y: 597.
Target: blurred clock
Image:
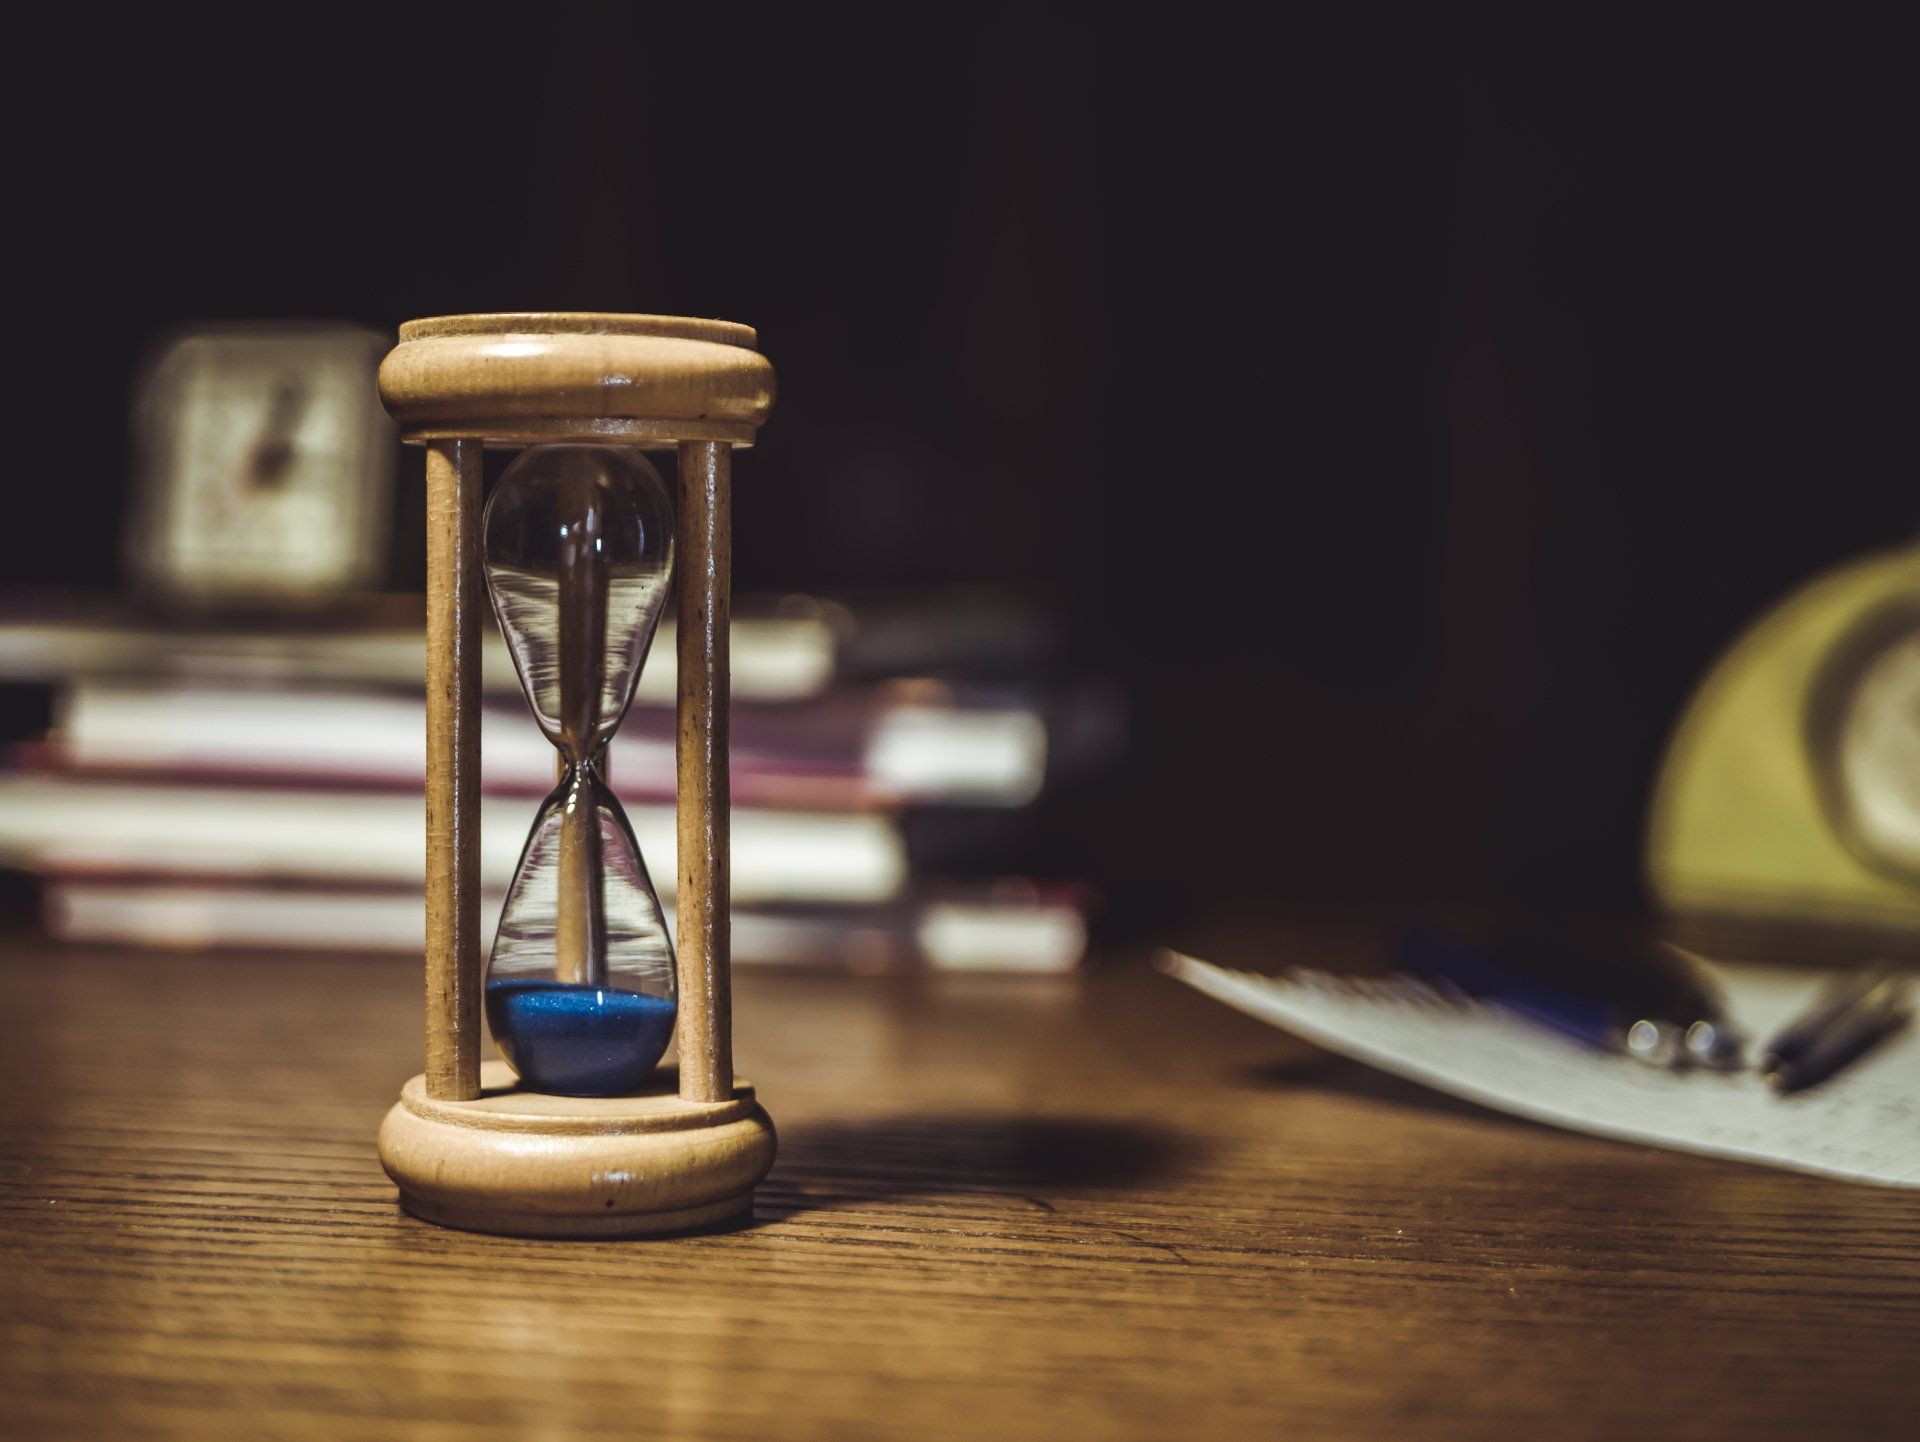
x: 269, y: 465
x: 1863, y: 731
x: 1786, y: 820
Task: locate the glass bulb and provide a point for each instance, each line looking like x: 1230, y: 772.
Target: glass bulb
x: 580, y: 983
x: 579, y: 543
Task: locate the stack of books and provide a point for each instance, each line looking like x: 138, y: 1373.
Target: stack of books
x: 203, y: 785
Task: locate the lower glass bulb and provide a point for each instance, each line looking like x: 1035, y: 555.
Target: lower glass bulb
x: 580, y: 985
x: 577, y: 1040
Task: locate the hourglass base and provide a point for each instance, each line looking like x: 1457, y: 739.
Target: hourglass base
x: 521, y: 1163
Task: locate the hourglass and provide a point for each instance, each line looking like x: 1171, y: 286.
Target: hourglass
x: 579, y: 548
x: 580, y: 1130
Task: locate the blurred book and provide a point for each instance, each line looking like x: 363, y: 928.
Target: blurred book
x: 1008, y: 927
x: 782, y: 648
x: 53, y: 824
x: 778, y: 654
x: 207, y: 783
x: 883, y: 746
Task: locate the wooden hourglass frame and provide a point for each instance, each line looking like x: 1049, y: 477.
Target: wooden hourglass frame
x: 467, y: 1144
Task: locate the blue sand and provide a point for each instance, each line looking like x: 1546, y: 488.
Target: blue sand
x: 578, y: 1041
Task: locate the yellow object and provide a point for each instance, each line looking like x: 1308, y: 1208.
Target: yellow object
x: 1740, y: 825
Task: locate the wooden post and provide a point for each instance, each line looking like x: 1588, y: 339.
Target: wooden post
x: 454, y: 603
x: 701, y: 899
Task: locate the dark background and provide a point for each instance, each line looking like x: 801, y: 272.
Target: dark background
x: 1404, y: 413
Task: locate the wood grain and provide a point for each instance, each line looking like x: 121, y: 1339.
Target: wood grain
x: 1100, y: 1210
x: 454, y: 601
x: 524, y: 1164
x: 703, y: 893
x: 526, y: 323
x: 516, y: 379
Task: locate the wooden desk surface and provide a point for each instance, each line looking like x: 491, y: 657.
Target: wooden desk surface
x: 1107, y: 1209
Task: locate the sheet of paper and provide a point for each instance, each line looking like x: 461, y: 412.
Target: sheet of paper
x: 1862, y: 1124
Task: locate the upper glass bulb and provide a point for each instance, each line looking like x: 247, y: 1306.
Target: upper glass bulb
x: 579, y: 544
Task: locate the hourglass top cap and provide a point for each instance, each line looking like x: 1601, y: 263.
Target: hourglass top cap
x: 522, y: 378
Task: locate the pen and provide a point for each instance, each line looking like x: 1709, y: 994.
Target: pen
x: 1677, y: 988
x: 1644, y: 1002
x: 1846, y: 1020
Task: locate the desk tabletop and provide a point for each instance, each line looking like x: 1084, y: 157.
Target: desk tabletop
x: 1103, y: 1207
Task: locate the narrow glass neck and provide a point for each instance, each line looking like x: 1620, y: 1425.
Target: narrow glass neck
x: 580, y: 915
x: 567, y: 772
